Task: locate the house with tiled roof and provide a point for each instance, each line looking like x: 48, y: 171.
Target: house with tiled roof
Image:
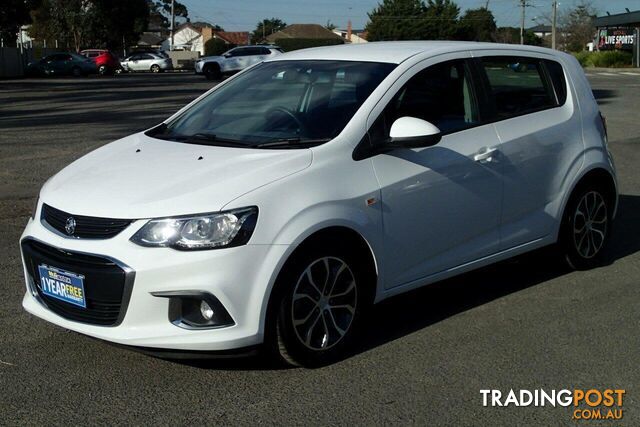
x: 192, y: 36
x: 303, y: 31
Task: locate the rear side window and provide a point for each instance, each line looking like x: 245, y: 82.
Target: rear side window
x: 557, y: 78
x: 518, y: 85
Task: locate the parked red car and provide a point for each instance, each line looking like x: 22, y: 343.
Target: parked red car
x: 106, y: 62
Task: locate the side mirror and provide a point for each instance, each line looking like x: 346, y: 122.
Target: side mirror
x: 411, y: 132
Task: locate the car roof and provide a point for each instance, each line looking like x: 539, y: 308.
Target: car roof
x: 396, y: 52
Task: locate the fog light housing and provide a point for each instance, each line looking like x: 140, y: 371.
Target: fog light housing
x: 196, y: 310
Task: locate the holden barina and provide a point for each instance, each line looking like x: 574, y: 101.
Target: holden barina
x: 273, y: 210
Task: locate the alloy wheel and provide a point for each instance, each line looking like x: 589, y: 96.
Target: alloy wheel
x: 590, y: 222
x: 324, y: 303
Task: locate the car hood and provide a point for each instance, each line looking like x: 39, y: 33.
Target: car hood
x: 142, y: 177
x: 211, y: 58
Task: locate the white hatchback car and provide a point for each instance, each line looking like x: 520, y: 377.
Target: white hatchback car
x: 279, y: 205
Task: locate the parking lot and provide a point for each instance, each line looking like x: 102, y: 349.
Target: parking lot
x: 425, y: 356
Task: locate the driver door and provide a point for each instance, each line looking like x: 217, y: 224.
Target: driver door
x: 441, y: 204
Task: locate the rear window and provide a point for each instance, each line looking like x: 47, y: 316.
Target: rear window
x: 518, y: 86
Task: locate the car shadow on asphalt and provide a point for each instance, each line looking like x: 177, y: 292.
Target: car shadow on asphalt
x: 602, y: 96
x: 407, y: 313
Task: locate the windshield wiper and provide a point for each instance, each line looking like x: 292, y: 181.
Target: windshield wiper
x: 291, y: 143
x: 202, y: 138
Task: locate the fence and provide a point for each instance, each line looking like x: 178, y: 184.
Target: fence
x: 13, y: 61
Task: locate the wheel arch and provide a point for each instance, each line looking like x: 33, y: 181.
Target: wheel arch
x: 348, y: 237
x: 599, y: 174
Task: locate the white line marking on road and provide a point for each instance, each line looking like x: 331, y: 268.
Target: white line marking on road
x: 607, y: 74
x: 630, y: 74
x: 7, y: 363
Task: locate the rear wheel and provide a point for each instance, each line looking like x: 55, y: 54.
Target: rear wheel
x: 212, y: 72
x: 155, y: 68
x: 319, y: 301
x: 586, y: 227
x: 103, y: 70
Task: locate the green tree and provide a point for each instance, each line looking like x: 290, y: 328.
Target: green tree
x: 477, y: 25
x: 89, y: 23
x: 330, y: 25
x: 215, y: 47
x: 511, y: 35
x: 164, y: 7
x: 396, y: 20
x: 265, y: 28
x: 13, y: 14
x: 118, y: 22
x: 577, y: 26
x: 413, y: 20
x: 440, y: 20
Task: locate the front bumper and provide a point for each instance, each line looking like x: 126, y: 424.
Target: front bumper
x: 240, y: 278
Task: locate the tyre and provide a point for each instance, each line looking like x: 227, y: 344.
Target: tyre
x: 119, y: 70
x: 586, y: 227
x: 103, y: 70
x: 212, y: 72
x: 319, y: 301
x: 76, y: 72
x: 155, y: 68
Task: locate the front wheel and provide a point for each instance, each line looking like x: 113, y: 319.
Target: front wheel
x: 103, y: 70
x: 76, y: 72
x: 586, y: 227
x: 155, y: 68
x: 320, y: 301
x: 212, y: 72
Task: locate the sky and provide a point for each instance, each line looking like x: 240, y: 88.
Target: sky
x: 243, y: 15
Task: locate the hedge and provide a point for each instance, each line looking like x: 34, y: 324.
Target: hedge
x: 215, y: 47
x: 606, y: 58
x: 295, y: 44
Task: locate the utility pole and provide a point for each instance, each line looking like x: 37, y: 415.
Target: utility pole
x: 173, y: 24
x: 553, y: 24
x: 486, y: 5
x: 523, y: 4
x: 263, y: 29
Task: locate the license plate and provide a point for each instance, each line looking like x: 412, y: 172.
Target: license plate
x: 63, y: 285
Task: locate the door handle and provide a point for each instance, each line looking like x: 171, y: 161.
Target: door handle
x: 485, y: 154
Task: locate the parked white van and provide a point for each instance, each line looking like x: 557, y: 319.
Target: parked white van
x: 278, y: 206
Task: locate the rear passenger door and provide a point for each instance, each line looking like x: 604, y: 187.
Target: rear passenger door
x: 540, y: 140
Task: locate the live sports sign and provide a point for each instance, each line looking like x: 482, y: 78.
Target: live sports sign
x: 616, y: 38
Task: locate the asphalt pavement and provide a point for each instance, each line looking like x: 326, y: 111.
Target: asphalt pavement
x: 425, y: 356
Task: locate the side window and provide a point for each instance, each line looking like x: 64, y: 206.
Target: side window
x: 263, y: 51
x: 557, y: 78
x: 441, y: 94
x: 517, y: 85
x: 239, y: 52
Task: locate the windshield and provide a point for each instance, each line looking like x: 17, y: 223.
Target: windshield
x: 292, y: 102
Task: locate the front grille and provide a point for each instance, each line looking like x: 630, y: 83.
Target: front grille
x: 107, y: 285
x: 87, y: 227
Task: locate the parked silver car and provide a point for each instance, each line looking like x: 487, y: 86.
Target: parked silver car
x: 147, y: 62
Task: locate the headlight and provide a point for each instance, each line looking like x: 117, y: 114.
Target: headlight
x: 208, y: 231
